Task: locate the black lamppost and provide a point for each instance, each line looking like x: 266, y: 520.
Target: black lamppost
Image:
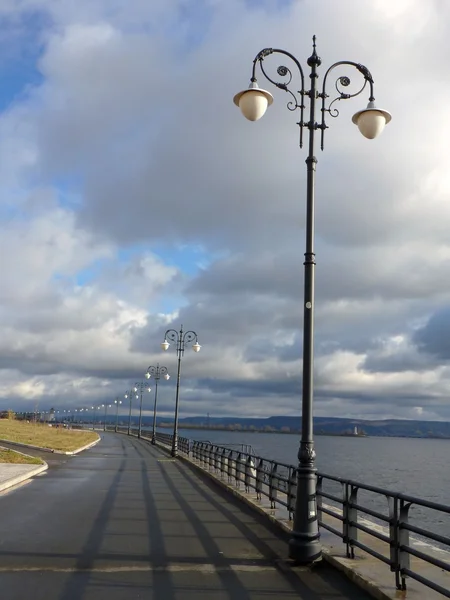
x: 95, y: 415
x: 141, y: 386
x: 130, y: 396
x: 156, y: 373
x: 117, y: 402
x: 304, y: 545
x: 181, y: 338
x: 106, y: 412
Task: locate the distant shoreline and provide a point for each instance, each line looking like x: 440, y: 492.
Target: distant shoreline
x: 316, y: 433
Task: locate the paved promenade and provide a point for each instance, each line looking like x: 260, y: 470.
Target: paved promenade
x: 124, y: 521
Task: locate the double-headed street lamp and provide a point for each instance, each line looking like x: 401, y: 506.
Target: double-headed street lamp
x: 156, y: 373
x: 304, y: 545
x: 130, y: 395
x: 181, y: 339
x: 95, y: 408
x: 117, y: 402
x: 141, y: 386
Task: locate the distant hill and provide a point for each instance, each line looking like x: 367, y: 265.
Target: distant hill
x: 325, y: 425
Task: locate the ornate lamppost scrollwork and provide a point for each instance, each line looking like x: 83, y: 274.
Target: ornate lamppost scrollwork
x: 117, y: 402
x: 181, y: 338
x: 156, y: 372
x: 304, y: 546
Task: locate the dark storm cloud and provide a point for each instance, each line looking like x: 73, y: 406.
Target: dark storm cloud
x: 434, y: 337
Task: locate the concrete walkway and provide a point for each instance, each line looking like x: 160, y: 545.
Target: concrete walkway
x: 124, y: 521
x: 11, y: 474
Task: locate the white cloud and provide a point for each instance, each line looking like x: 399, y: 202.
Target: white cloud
x: 130, y: 150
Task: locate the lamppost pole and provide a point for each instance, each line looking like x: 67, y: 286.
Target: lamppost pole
x: 139, y: 386
x: 95, y: 416
x: 181, y: 338
x: 156, y: 373
x: 304, y: 545
x: 130, y: 394
x: 117, y: 402
x: 106, y: 412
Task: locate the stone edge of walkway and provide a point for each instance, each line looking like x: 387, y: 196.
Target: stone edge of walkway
x: 338, y: 562
x: 13, y: 481
x: 51, y: 450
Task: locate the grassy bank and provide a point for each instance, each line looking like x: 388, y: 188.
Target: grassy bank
x: 44, y: 436
x: 15, y: 458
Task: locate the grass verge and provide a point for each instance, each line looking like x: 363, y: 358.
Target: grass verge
x: 15, y: 458
x: 44, y: 436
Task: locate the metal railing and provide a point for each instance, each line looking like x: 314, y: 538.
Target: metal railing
x: 278, y: 482
x: 184, y: 444
x: 246, y: 448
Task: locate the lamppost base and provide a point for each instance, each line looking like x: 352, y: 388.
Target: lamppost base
x: 304, y: 545
x: 153, y: 442
x: 303, y: 549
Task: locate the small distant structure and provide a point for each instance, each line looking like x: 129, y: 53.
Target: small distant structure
x: 48, y: 417
x: 355, y: 431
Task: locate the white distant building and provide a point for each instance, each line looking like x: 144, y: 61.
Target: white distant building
x: 48, y: 417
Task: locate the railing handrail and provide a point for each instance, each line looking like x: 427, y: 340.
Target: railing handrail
x: 392, y: 494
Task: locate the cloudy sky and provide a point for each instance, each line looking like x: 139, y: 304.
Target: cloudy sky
x: 134, y: 197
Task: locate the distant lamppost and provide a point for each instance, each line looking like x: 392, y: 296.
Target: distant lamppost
x: 156, y: 373
x: 181, y: 338
x: 106, y: 412
x: 130, y: 396
x: 97, y: 408
x: 94, y: 410
x: 141, y: 386
x: 117, y: 402
x: 304, y: 545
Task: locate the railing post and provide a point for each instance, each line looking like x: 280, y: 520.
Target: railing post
x: 223, y: 463
x: 292, y: 491
x: 259, y: 478
x: 403, y: 541
x: 240, y: 472
x: 319, y: 498
x: 250, y: 474
x: 393, y: 536
x: 273, y: 491
x: 217, y: 457
x: 230, y: 470
x: 204, y: 455
x: 350, y: 515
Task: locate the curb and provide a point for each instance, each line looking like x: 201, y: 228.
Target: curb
x: 51, y: 450
x: 28, y: 446
x: 84, y: 447
x: 21, y: 478
x: 365, y: 584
